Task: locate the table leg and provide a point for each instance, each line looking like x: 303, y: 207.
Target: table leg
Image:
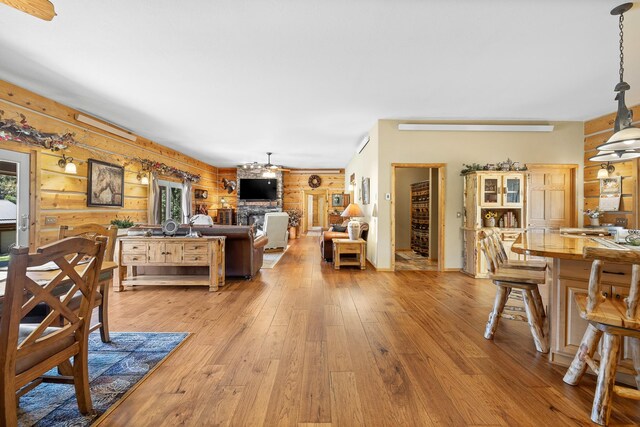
x: 213, y: 268
x: 118, y: 277
x: 363, y: 257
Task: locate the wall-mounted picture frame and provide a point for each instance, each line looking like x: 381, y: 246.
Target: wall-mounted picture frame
x: 346, y: 199
x: 105, y: 184
x: 365, y: 190
x: 337, y: 200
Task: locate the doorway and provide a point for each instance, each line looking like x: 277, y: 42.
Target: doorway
x: 417, y: 217
x: 314, y: 212
x: 14, y: 202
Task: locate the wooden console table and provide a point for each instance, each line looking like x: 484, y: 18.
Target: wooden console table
x: 347, y: 246
x: 134, y: 252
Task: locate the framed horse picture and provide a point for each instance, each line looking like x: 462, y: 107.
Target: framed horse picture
x: 105, y: 184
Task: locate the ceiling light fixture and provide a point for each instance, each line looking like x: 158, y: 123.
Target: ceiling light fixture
x: 68, y: 165
x: 624, y: 144
x: 269, y: 169
x: 463, y: 127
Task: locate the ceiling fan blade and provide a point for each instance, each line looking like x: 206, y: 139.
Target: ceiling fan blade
x: 42, y: 9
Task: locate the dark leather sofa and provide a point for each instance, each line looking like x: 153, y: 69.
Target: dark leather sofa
x: 326, y: 245
x: 243, y: 251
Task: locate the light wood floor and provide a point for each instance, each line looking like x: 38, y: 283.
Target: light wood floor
x: 304, y: 344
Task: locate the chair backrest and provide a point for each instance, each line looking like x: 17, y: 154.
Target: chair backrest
x: 91, y: 231
x: 25, y: 289
x: 201, y: 219
x: 601, y: 255
x: 489, y: 248
x: 276, y: 222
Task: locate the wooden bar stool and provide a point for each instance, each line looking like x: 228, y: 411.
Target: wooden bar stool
x: 611, y: 320
x: 508, y: 279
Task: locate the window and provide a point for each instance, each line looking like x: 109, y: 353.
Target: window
x: 170, y: 205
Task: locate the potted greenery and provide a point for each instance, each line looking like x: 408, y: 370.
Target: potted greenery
x: 122, y: 224
x: 594, y: 216
x: 294, y: 222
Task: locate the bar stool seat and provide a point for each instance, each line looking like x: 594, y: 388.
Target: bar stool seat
x: 526, y: 281
x: 610, y: 321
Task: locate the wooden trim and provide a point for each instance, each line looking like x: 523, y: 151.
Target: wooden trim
x: 306, y: 193
x: 533, y: 166
x: 442, y: 170
x: 34, y: 197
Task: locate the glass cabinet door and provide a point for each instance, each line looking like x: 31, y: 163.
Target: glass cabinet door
x: 490, y: 190
x: 512, y: 190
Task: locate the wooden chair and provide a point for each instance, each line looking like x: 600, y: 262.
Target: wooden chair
x: 27, y: 351
x: 91, y: 231
x: 508, y: 279
x: 503, y: 258
x: 611, y: 320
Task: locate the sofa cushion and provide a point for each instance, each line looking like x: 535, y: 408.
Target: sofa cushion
x: 338, y: 228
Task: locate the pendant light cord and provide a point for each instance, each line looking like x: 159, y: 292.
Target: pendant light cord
x: 621, y: 26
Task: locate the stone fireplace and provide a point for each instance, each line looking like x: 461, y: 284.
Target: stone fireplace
x: 250, y: 212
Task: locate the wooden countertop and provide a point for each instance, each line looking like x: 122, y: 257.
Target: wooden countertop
x: 553, y: 244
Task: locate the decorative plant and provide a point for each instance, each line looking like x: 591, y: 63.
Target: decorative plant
x: 595, y: 213
x: 490, y: 215
x: 125, y: 222
x: 294, y: 217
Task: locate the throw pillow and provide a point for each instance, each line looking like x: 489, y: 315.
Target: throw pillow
x: 339, y: 228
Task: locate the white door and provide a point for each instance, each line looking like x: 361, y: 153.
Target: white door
x: 14, y: 200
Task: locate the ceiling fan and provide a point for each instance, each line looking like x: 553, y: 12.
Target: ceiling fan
x: 269, y: 167
x: 42, y: 9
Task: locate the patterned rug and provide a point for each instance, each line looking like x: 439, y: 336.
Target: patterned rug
x: 270, y: 259
x: 115, y: 369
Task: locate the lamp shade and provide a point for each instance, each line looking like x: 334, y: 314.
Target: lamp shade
x: 626, y: 139
x: 615, y: 156
x: 603, y: 173
x: 70, y: 168
x: 352, y: 210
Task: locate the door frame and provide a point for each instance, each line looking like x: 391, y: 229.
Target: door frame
x: 442, y: 169
x: 573, y: 173
x: 305, y: 194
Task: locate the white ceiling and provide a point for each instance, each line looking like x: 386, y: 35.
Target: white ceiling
x: 226, y: 81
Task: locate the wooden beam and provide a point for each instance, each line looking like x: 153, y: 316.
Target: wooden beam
x: 42, y: 9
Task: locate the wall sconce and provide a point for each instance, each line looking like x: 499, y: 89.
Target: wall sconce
x: 223, y: 201
x: 143, y: 178
x: 606, y: 169
x: 67, y: 164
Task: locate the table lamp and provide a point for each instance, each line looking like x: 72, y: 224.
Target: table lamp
x: 353, y: 228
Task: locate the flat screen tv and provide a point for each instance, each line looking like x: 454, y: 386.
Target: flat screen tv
x: 258, y: 189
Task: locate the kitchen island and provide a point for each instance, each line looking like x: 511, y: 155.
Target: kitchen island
x: 568, y: 276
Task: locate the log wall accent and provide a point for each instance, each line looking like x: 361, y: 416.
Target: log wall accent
x: 596, y: 132
x: 296, y: 183
x: 62, y: 197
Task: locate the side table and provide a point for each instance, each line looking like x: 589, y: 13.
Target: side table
x: 346, y: 246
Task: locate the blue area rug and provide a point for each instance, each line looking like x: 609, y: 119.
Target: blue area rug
x: 114, y: 368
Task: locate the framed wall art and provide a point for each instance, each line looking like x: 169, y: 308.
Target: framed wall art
x: 365, y: 190
x: 105, y: 184
x: 337, y: 200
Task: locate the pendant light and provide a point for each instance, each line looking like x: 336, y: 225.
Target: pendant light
x: 624, y: 144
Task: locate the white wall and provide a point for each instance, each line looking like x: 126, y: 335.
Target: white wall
x: 564, y: 145
x: 404, y: 178
x: 365, y: 165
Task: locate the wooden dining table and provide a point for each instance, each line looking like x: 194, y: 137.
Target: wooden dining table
x: 45, y: 276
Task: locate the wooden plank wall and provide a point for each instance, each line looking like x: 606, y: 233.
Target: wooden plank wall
x: 598, y: 131
x: 62, y: 196
x: 296, y: 183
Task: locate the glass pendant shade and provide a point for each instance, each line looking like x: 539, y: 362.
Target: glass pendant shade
x: 70, y: 168
x: 614, y: 156
x: 626, y: 139
x: 603, y: 173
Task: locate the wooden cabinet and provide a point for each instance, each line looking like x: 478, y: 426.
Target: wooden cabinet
x: 498, y: 193
x: 501, y: 190
x: 170, y: 252
x: 226, y: 216
x: 335, y: 219
x: 420, y: 217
